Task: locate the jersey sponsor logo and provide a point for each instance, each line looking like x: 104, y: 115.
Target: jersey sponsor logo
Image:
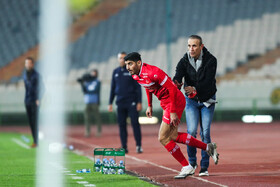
x: 116, y: 75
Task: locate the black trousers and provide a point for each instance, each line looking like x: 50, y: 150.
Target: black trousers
x: 123, y: 113
x: 32, y: 114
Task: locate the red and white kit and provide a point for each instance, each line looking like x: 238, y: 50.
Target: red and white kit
x: 157, y: 82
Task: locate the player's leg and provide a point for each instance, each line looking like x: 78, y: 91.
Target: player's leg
x: 122, y: 116
x: 167, y: 135
x: 134, y: 115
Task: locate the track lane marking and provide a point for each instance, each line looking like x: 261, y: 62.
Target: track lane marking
x: 20, y: 143
x: 140, y: 160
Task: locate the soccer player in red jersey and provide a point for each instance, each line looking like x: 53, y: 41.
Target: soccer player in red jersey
x: 172, y: 101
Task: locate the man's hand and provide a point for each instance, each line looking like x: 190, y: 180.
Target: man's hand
x: 110, y: 108
x: 37, y: 102
x: 179, y: 85
x: 189, y: 90
x: 174, y: 120
x: 149, y: 112
x: 139, y: 107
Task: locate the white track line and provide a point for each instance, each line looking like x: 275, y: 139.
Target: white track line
x: 20, y: 143
x: 145, y: 161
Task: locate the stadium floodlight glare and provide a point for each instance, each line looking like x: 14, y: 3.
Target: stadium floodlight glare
x: 53, y: 66
x: 146, y: 120
x: 257, y: 118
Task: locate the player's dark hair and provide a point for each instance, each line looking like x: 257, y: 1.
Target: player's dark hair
x: 30, y: 58
x: 134, y: 56
x: 196, y: 37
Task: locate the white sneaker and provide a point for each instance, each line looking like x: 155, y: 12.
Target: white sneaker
x: 212, y: 151
x: 139, y: 149
x: 185, y: 171
x: 203, y: 172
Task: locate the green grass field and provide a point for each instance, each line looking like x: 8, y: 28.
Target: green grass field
x: 18, y: 167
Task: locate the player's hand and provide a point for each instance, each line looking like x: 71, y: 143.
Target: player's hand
x: 179, y: 85
x: 149, y: 112
x: 174, y: 120
x: 139, y: 107
x: 37, y: 102
x: 189, y: 90
x: 110, y: 108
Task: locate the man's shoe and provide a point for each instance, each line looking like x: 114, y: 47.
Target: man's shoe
x: 139, y: 149
x: 212, y: 151
x: 194, y: 168
x: 203, y: 172
x: 33, y: 145
x: 125, y: 149
x: 185, y: 171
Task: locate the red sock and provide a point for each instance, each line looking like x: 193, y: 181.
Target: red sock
x: 186, y: 138
x: 176, y: 152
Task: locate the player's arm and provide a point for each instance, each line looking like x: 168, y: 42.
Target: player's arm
x: 149, y: 111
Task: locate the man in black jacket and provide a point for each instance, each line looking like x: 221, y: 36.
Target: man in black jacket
x: 32, y: 97
x: 129, y: 102
x: 198, y: 68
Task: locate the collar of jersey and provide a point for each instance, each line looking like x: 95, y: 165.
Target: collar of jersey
x: 141, y: 69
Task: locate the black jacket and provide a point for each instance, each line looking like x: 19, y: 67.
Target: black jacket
x: 203, y: 80
x: 34, y: 87
x: 126, y: 89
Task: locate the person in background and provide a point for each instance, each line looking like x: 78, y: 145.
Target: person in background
x: 198, y: 68
x: 32, y: 83
x: 91, y: 89
x: 128, y: 101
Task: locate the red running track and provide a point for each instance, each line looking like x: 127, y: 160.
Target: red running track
x: 249, y: 154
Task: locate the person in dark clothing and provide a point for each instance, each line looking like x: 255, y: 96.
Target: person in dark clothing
x: 198, y: 68
x: 91, y: 89
x: 129, y: 99
x: 32, y: 85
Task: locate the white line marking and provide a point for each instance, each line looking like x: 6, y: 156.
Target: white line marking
x: 76, y: 178
x: 66, y: 172
x: 20, y: 143
x: 145, y: 161
x: 90, y: 185
x: 82, y: 182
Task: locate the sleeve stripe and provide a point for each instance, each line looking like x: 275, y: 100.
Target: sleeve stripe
x: 164, y: 80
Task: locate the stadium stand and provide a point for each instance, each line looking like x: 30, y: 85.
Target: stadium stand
x: 233, y: 30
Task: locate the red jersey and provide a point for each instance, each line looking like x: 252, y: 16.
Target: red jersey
x: 156, y: 81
